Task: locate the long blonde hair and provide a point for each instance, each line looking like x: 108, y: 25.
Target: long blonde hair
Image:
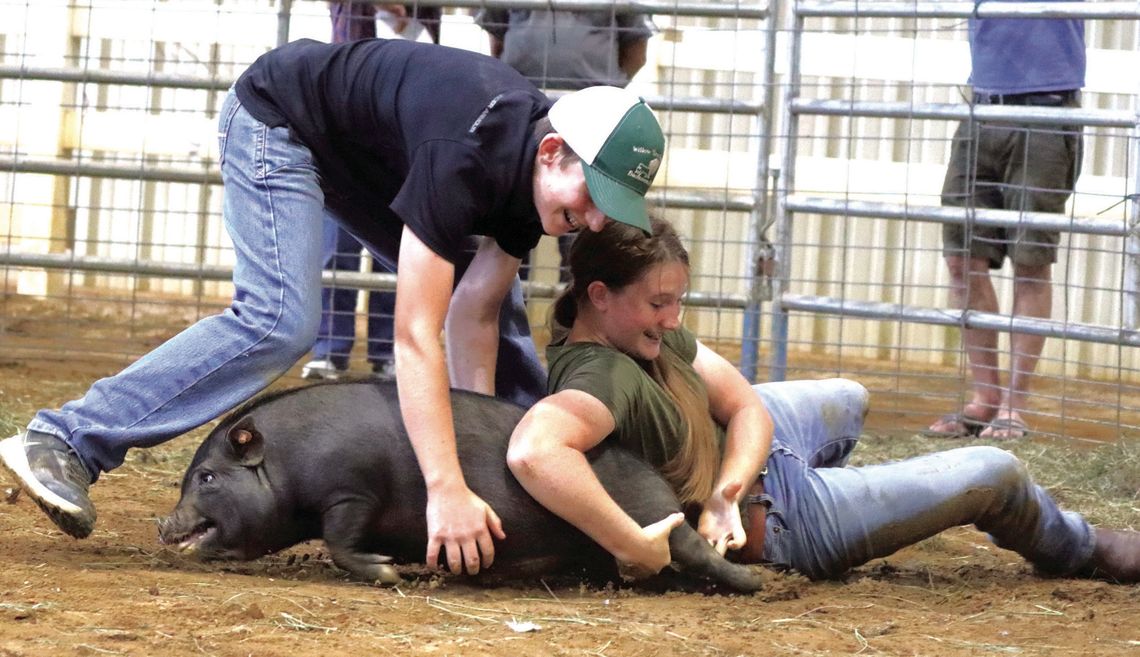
x: 617, y: 256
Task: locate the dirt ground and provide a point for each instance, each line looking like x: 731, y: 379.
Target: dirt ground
x: 120, y: 593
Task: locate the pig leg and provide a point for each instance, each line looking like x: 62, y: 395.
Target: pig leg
x: 647, y: 498
x: 696, y: 556
x: 345, y: 526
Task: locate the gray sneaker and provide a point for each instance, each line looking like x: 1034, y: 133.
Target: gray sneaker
x: 322, y: 368
x: 52, y: 475
x: 384, y: 371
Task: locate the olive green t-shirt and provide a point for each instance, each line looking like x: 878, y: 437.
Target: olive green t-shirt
x: 646, y: 418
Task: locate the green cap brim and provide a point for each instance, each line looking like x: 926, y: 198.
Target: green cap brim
x: 617, y: 201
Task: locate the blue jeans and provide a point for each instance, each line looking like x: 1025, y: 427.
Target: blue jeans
x: 827, y: 518
x: 337, y: 330
x: 273, y: 209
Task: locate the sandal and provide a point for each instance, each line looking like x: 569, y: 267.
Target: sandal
x: 1013, y: 428
x: 968, y: 427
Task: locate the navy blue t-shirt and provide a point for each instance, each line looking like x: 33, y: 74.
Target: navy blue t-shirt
x: 434, y: 138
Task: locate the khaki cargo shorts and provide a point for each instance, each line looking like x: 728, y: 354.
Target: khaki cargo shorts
x: 1012, y: 167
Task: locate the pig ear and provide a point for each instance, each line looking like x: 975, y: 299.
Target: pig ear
x: 246, y: 442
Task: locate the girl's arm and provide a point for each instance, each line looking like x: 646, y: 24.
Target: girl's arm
x: 733, y: 404
x: 547, y: 456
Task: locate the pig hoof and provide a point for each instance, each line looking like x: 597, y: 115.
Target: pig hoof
x: 387, y: 576
x: 375, y: 568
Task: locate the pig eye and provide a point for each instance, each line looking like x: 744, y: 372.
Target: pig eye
x: 205, y: 477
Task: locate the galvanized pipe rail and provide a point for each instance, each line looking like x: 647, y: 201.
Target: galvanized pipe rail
x: 220, y: 273
x: 175, y: 81
x: 711, y: 9
x: 971, y: 319
x: 954, y: 215
x: 1050, y: 116
x: 760, y: 219
x: 106, y: 76
x: 988, y: 9
x: 209, y: 175
x: 788, y: 203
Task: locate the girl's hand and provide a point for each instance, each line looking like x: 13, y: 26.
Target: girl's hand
x: 720, y: 522
x: 655, y: 551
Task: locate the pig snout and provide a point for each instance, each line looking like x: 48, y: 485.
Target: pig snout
x: 185, y: 531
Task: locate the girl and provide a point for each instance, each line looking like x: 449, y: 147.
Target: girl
x: 623, y: 368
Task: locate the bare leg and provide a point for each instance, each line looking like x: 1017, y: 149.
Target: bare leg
x: 1032, y: 297
x: 971, y: 288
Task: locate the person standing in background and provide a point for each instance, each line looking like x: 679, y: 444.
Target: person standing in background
x: 351, y: 21
x: 1011, y: 166
x: 568, y: 50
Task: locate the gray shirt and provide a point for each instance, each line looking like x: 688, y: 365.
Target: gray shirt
x: 565, y: 49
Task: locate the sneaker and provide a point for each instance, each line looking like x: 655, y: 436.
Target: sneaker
x: 384, y: 370
x: 322, y: 368
x: 52, y: 475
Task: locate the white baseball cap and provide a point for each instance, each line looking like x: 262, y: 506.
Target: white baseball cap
x: 620, y: 142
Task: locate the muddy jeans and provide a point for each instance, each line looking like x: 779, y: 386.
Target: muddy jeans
x: 827, y: 518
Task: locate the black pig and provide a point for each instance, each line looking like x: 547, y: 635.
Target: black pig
x: 333, y: 461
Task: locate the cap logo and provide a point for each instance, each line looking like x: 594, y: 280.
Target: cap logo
x: 644, y: 172
x: 621, y: 146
